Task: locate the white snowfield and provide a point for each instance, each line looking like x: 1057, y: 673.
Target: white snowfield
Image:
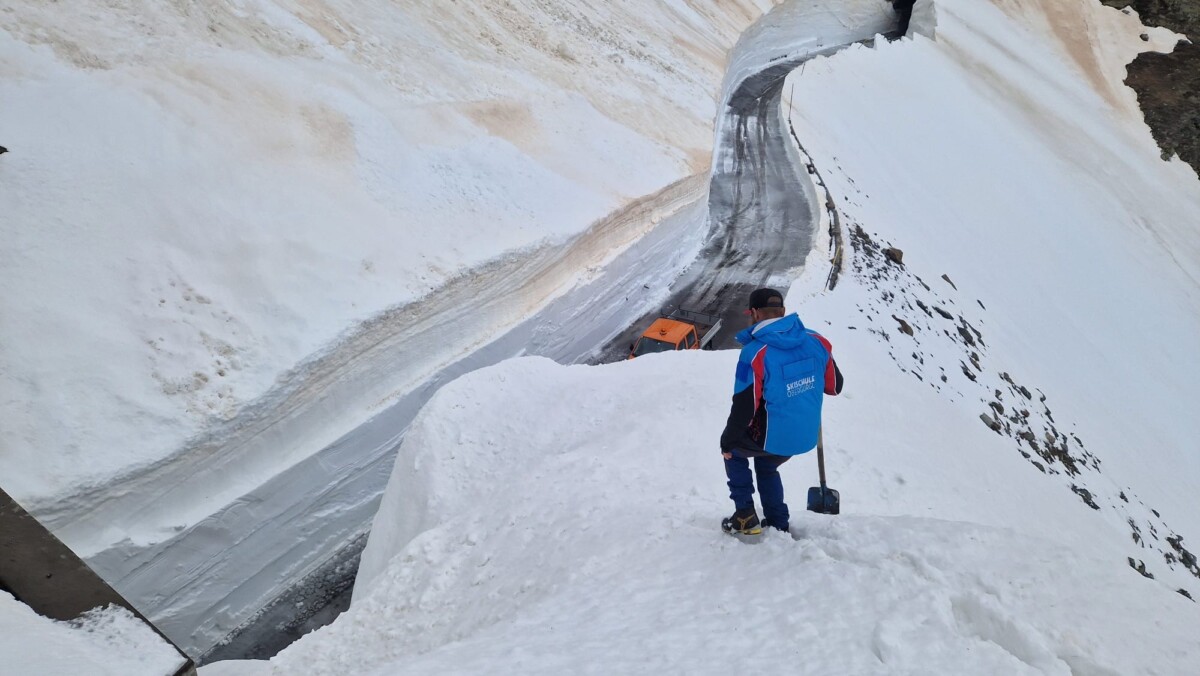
x: 549, y: 519
x: 233, y: 234
x: 526, y: 536
x: 553, y: 519
x: 255, y: 498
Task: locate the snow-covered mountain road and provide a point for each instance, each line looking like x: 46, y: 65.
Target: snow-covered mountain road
x: 270, y: 500
x: 253, y: 253
x: 280, y: 494
x: 763, y: 206
x: 335, y: 493
x: 762, y: 210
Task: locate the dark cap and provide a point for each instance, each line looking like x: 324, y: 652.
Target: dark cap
x: 762, y: 298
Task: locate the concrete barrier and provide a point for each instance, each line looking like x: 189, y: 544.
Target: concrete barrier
x: 44, y: 574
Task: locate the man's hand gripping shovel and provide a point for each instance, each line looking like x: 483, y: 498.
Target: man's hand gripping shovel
x: 822, y: 499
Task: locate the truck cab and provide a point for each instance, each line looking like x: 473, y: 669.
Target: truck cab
x: 680, y: 330
x: 666, y: 335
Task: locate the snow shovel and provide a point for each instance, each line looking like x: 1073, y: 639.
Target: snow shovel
x: 822, y: 499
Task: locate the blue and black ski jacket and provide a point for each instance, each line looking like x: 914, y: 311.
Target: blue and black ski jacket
x: 783, y: 373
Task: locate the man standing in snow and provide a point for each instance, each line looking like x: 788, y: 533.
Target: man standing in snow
x: 783, y: 374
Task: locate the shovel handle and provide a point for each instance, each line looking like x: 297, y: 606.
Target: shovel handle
x: 821, y: 455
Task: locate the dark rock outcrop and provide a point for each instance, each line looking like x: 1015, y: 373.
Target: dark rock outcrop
x: 1168, y: 85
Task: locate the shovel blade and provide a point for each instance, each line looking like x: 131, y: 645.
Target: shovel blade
x: 823, y: 500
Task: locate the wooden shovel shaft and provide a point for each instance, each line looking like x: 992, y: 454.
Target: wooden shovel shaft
x: 821, y: 455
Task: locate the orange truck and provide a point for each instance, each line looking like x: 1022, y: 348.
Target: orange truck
x: 679, y: 330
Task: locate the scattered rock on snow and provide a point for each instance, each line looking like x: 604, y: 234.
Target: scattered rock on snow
x: 1140, y: 566
x: 1064, y: 457
x: 966, y: 335
x: 1134, y: 532
x: 1086, y: 495
x: 991, y: 422
x: 1187, y: 558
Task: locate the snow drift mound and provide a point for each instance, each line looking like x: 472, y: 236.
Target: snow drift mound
x: 550, y: 519
x: 102, y: 642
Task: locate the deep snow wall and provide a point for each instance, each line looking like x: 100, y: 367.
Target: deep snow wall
x: 258, y: 190
x: 200, y: 197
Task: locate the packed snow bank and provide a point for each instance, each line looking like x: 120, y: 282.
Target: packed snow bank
x: 520, y: 533
x: 101, y: 642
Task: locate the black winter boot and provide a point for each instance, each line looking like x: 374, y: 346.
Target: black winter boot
x: 766, y: 523
x: 743, y: 522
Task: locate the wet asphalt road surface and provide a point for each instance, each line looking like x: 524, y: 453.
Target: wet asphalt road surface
x: 761, y: 222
